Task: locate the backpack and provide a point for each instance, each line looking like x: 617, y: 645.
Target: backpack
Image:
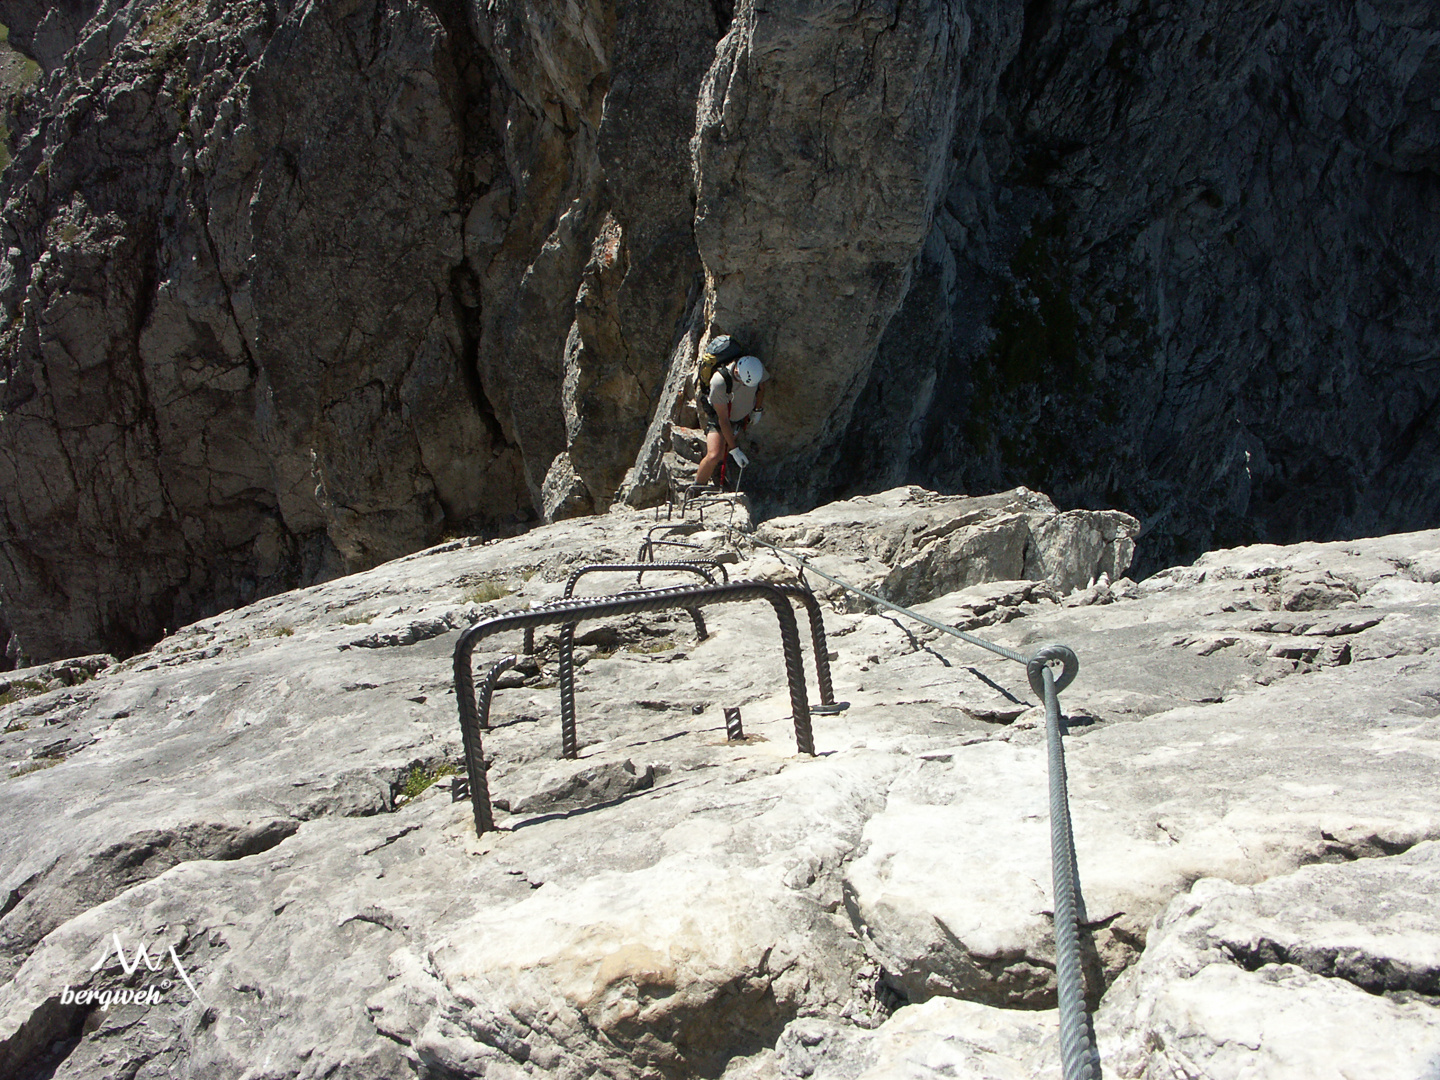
x: 718, y: 352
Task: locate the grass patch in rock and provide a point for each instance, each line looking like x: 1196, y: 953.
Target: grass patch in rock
x: 650, y: 647
x: 419, y: 779
x: 487, y: 592
x: 17, y: 691
x: 362, y: 618
x: 282, y: 631
x: 167, y: 26
x: 34, y: 766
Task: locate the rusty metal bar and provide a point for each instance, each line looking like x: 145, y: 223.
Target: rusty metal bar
x: 700, y: 502
x: 818, y: 644
x: 594, y: 568
x: 675, y: 527
x: 487, y: 687
x: 606, y: 607
x: 644, y: 568
x: 696, y: 567
x: 476, y: 767
x: 647, y: 548
x: 796, y: 592
x: 569, y: 740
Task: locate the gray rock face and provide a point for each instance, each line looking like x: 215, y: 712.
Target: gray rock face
x: 924, y: 545
x: 288, y: 290
x: 217, y: 352
x: 1267, y: 977
x: 1183, y: 268
x: 821, y: 149
x: 271, y: 793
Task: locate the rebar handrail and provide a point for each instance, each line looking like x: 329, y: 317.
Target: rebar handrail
x: 817, y: 643
x: 475, y: 766
x: 675, y: 527
x: 567, y: 600
x: 712, y: 564
x: 806, y: 597
x: 603, y: 607
x: 596, y: 568
x: 648, y: 546
x: 1080, y: 1058
x: 700, y: 496
x: 639, y: 569
x: 487, y: 686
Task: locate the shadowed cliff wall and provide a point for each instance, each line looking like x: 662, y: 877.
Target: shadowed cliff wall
x: 288, y: 289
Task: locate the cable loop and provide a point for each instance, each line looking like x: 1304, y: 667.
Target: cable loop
x: 1046, y: 655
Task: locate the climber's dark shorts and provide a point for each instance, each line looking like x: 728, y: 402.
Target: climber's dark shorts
x: 707, y: 415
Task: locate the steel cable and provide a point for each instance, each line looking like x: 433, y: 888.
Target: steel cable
x: 805, y: 564
x: 1079, y: 1056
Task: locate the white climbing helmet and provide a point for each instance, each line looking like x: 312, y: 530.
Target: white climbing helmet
x: 750, y: 370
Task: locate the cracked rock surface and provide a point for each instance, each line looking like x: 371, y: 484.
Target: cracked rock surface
x: 291, y: 289
x: 271, y: 803
x: 1275, y: 977
x: 288, y: 289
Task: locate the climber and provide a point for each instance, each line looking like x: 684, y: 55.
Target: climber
x: 729, y: 405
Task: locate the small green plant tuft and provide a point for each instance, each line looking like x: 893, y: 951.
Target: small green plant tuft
x: 34, y: 766
x: 651, y: 647
x: 22, y: 688
x: 359, y: 618
x: 487, y: 591
x: 419, y: 779
x: 168, y: 27
x: 283, y: 631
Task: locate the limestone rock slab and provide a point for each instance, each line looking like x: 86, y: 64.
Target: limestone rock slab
x: 928, y: 545
x: 1272, y: 978
x: 285, y: 809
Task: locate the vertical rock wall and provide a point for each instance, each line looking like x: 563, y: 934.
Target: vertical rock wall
x: 1186, y: 267
x: 289, y: 288
x: 821, y: 149
x: 234, y: 362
